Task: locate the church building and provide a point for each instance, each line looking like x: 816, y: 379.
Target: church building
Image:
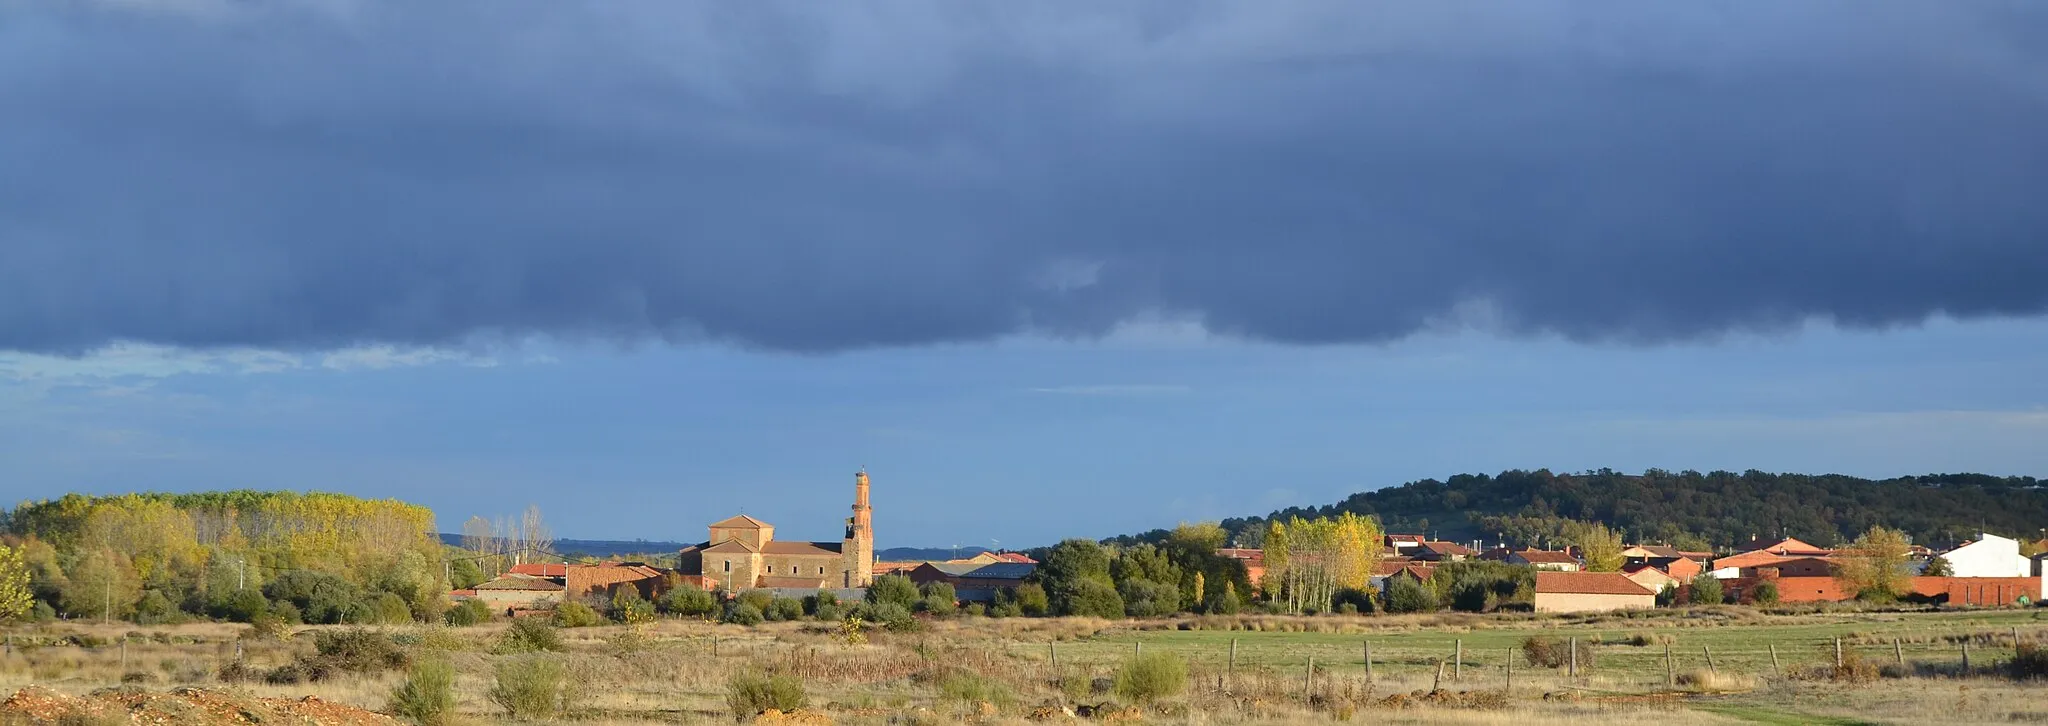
x: 742, y: 553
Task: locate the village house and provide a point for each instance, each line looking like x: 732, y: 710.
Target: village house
x: 1767, y: 553
x: 1442, y: 552
x: 1578, y: 592
x: 1988, y: 556
x: 1544, y: 560
x: 1401, y: 545
x: 513, y: 592
x: 1669, y: 560
x: 742, y: 553
x: 1254, y: 562
x: 974, y: 582
x: 1650, y: 577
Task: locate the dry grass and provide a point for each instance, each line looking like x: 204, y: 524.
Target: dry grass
x: 677, y: 671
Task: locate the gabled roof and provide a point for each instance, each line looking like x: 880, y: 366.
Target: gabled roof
x: 992, y: 571
x: 1786, y: 545
x: 541, y: 569
x: 777, y: 547
x: 1017, y: 557
x: 1663, y: 552
x: 1448, y: 548
x: 741, y: 521
x: 521, y: 582
x: 1546, y: 557
x: 731, y: 546
x: 1588, y: 583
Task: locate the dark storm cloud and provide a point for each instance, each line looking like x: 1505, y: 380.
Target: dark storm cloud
x: 824, y: 176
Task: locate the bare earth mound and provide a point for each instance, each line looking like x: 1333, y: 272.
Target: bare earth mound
x: 197, y: 706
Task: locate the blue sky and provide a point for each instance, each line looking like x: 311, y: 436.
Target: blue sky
x: 1024, y: 441
x: 1047, y: 269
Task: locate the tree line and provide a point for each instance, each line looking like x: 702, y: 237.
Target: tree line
x: 1718, y: 510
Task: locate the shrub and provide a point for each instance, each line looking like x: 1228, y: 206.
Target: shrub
x: 2030, y: 662
x: 749, y: 693
x: 785, y: 608
x: 1706, y: 589
x: 689, y: 601
x: 629, y: 608
x: 286, y: 675
x: 1405, y: 595
x: 829, y: 613
x: 970, y: 687
x: 974, y: 610
x: 762, y: 600
x: 823, y: 598
x: 1667, y: 596
x: 939, y: 598
x: 627, y: 642
x: 1093, y: 597
x: 530, y: 687
x: 743, y: 614
x: 389, y: 609
x: 574, y: 614
x: 1765, y: 593
x: 1151, y: 676
x: 427, y: 696
x: 156, y: 609
x: 353, y: 650
x: 1031, y: 600
x: 1554, y: 653
x: 467, y: 613
x: 528, y: 635
x: 893, y: 589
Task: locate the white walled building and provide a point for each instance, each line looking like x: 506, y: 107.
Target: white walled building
x: 1989, y: 556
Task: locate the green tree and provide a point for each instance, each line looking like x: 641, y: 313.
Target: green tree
x: 940, y: 599
x: 1599, y: 546
x: 101, y: 585
x: 1067, y: 568
x: 465, y: 574
x: 1031, y: 600
x: 1706, y: 589
x: 1875, y: 567
x: 894, y: 590
x: 689, y: 601
x: 1765, y: 593
x: 1938, y: 566
x: 629, y: 608
x: 16, y: 598
x: 1406, y: 595
x: 1094, y: 598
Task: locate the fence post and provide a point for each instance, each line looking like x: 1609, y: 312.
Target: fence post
x: 1438, y: 684
x: 2015, y: 641
x: 1775, y: 668
x: 1052, y: 652
x: 1670, y: 673
x: 1838, y: 652
x: 1966, y: 655
x: 1899, y: 654
x: 1137, y: 648
x: 1575, y: 658
x: 1458, y: 659
x: 124, y: 653
x: 1308, y: 687
x: 1510, y: 689
x: 1231, y: 671
x: 1709, y: 650
x: 1368, y: 661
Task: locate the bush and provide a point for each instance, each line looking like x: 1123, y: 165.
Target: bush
x: 1031, y: 600
x: 785, y: 608
x: 389, y: 609
x: 823, y: 598
x: 2029, y: 662
x: 893, y: 589
x: 427, y: 696
x: 531, y: 687
x: 353, y: 650
x: 829, y: 613
x: 744, y: 614
x: 575, y: 614
x: 1706, y: 589
x: 762, y: 600
x: 748, y: 694
x: 467, y: 613
x: 1765, y: 593
x: 970, y: 687
x: 689, y: 601
x: 894, y: 618
x: 939, y: 599
x: 1405, y: 595
x: 1151, y: 676
x: 156, y: 609
x: 629, y: 608
x: 1555, y: 653
x: 1093, y: 597
x: 1667, y: 596
x: 528, y: 635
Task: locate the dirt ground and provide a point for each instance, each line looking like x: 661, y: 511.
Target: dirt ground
x: 182, y: 706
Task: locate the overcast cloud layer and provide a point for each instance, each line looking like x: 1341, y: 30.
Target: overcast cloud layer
x: 824, y: 176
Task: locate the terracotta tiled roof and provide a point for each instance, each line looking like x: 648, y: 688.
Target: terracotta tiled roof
x: 1588, y: 583
x: 520, y: 582
x: 1546, y: 557
x: 774, y: 547
x: 1448, y: 548
x: 886, y: 568
x: 731, y: 545
x: 1017, y: 557
x: 1243, y: 553
x: 1657, y: 551
x: 540, y: 569
x: 740, y: 521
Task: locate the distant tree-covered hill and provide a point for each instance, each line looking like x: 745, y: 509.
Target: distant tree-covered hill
x: 1720, y: 509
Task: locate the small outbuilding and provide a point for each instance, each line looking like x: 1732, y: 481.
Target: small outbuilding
x: 1579, y: 592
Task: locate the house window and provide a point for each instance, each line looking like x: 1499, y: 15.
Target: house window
x: 728, y: 565
x: 821, y: 570
x: 771, y: 569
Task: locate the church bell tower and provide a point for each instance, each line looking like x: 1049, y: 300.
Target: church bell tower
x: 859, y: 548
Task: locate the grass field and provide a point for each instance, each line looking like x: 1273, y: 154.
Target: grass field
x: 678, y: 672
